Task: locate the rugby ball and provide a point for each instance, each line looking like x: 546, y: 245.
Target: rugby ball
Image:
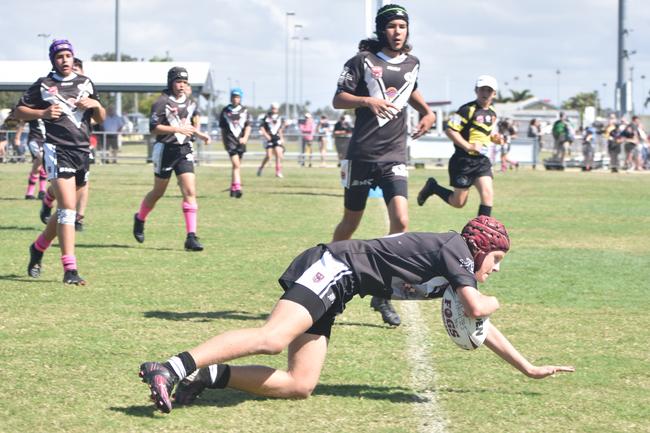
x: 466, y: 332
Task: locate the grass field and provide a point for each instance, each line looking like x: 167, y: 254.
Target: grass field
x: 574, y: 290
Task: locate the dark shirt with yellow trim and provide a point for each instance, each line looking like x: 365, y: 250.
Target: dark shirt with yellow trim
x: 475, y: 125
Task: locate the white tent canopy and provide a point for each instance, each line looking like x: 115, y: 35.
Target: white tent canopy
x: 110, y: 76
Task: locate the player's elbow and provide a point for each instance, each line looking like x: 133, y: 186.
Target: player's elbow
x: 483, y: 309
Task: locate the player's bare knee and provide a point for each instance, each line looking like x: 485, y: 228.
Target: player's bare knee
x: 271, y: 343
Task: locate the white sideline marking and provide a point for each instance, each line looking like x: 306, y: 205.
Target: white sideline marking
x: 423, y: 376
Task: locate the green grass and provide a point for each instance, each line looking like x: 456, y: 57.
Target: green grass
x: 574, y: 290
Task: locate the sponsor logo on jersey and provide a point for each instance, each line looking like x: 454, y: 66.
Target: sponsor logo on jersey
x: 391, y: 92
x: 488, y: 118
x: 377, y: 72
x: 365, y: 182
x: 480, y: 119
x: 344, y: 76
x: 318, y: 277
x: 67, y: 83
x: 467, y: 264
x: 393, y: 68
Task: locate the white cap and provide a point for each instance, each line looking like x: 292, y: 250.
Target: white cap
x: 275, y: 105
x: 307, y: 114
x: 487, y: 80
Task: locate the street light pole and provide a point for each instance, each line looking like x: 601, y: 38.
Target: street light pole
x: 300, y: 95
x: 296, y: 38
x: 286, y: 64
x: 45, y: 36
x: 118, y: 56
x: 559, y: 103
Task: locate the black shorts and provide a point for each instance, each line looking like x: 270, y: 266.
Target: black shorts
x: 235, y: 149
x: 357, y: 177
x: 273, y: 142
x: 112, y: 141
x: 63, y: 162
x: 172, y: 157
x: 320, y: 283
x: 465, y: 169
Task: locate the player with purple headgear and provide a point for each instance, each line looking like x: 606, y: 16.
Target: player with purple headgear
x: 66, y: 101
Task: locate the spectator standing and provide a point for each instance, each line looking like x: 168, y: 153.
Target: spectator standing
x: 307, y: 129
x: 112, y: 127
x: 323, y: 137
x: 561, y: 131
x: 588, y: 148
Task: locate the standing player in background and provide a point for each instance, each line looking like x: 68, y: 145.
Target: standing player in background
x: 66, y: 101
x: 378, y: 82
x: 47, y: 201
x: 171, y: 122
x: 35, y: 140
x: 471, y: 129
x: 272, y: 130
x: 234, y: 122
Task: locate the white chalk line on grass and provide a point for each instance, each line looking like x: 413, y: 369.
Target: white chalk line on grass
x: 423, y: 376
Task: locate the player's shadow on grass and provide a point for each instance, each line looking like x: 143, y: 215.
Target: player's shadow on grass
x: 487, y: 391
x: 13, y: 199
x: 122, y: 246
x: 309, y: 193
x: 365, y: 325
x: 21, y: 228
x: 205, y: 316
x: 229, y: 397
x: 23, y: 278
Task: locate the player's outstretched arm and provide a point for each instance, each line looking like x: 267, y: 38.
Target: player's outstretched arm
x: 500, y: 345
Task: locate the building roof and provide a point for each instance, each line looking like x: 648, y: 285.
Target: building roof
x: 110, y: 76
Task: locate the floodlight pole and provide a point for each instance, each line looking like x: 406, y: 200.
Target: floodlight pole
x: 118, y: 56
x: 44, y: 36
x: 286, y: 64
x: 620, y: 103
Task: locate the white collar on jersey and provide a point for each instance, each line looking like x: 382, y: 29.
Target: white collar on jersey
x: 58, y: 77
x: 178, y: 100
x: 393, y: 60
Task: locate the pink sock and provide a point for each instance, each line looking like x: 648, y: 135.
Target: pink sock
x: 278, y: 167
x: 69, y: 262
x: 236, y: 186
x: 43, y: 180
x: 41, y: 243
x: 31, y: 184
x: 144, y: 211
x: 48, y: 199
x: 189, y: 213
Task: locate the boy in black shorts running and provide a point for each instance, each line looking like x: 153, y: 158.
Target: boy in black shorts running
x: 235, y: 127
x: 171, y: 122
x: 317, y: 286
x: 471, y: 128
x: 66, y: 101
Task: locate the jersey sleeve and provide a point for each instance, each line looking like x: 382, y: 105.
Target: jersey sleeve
x: 459, y: 119
x: 456, y: 265
x: 222, y: 120
x: 32, y: 97
x: 158, y: 116
x: 350, y: 76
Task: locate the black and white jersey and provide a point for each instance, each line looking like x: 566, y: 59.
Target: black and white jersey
x: 233, y: 122
x: 272, y: 124
x: 72, y: 128
x: 36, y: 131
x: 392, y: 79
x: 172, y: 111
x: 383, y: 266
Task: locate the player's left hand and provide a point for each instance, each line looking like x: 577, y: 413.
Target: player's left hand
x: 548, y: 370
x: 497, y: 139
x: 423, y: 127
x: 86, y: 103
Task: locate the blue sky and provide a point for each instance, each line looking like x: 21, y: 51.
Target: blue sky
x: 456, y: 41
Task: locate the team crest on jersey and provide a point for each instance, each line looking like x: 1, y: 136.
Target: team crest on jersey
x: 391, y: 92
x: 377, y: 72
x: 488, y: 118
x: 53, y: 90
x: 480, y: 119
x: 318, y: 277
x: 410, y: 77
